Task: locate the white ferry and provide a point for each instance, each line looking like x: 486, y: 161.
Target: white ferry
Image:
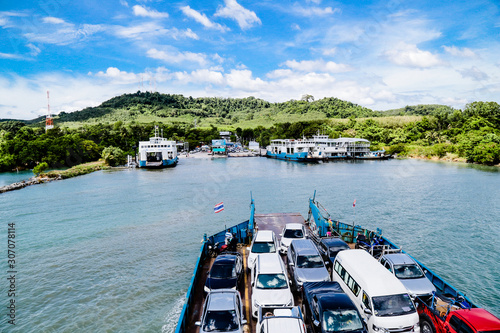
x: 301, y: 150
x: 158, y: 152
x: 340, y: 148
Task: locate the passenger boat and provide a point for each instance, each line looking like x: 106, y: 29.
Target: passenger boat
x: 301, y: 150
x: 158, y: 152
x: 374, y: 155
x: 340, y: 148
x: 319, y: 224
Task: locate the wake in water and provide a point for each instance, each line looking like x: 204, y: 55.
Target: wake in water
x: 172, y: 316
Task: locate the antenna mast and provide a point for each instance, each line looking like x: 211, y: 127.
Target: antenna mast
x: 49, y: 122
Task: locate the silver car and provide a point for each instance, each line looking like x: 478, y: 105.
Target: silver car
x: 222, y: 312
x: 409, y: 273
x: 305, y: 264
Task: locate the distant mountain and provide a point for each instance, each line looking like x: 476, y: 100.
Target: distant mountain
x: 419, y: 110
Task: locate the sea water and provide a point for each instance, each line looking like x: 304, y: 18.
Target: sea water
x: 114, y: 251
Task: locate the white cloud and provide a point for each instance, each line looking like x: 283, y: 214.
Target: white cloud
x: 474, y: 73
x: 233, y: 10
x: 118, y: 76
x: 152, y: 29
x: 314, y: 11
x: 410, y: 55
x: 457, y: 52
x: 144, y: 12
x: 34, y: 50
x: 202, y: 19
x: 177, y: 57
x: 63, y: 33
x: 11, y: 56
x: 317, y: 66
x: 53, y: 20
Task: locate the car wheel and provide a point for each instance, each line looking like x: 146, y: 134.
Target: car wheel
x: 426, y: 325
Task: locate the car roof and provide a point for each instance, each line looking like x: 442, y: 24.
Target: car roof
x: 264, y: 236
x: 221, y: 299
x: 294, y: 226
x: 304, y: 246
x: 399, y: 258
x: 225, y: 259
x: 481, y: 319
x: 269, y: 263
x: 333, y: 242
x: 333, y: 301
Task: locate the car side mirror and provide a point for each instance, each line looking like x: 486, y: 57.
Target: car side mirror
x: 281, y: 235
x: 198, y: 323
x: 368, y: 311
x: 244, y: 321
x: 316, y: 322
x: 248, y: 248
x: 291, y: 264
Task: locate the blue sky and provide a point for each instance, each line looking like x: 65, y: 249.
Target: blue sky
x: 379, y: 54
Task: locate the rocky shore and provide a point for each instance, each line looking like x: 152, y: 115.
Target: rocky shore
x: 24, y: 183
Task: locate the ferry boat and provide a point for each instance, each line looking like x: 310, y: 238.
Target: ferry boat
x: 340, y: 148
x: 158, y: 152
x: 318, y: 225
x: 301, y: 150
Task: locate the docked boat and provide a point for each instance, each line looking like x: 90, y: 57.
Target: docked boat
x: 340, y: 148
x: 158, y: 152
x: 301, y: 150
x: 318, y: 224
x: 374, y: 155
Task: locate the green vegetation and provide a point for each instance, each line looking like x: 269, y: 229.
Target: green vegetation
x: 40, y: 168
x: 113, y: 156
x: 77, y: 170
x: 428, y: 131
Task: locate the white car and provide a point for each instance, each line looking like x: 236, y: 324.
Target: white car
x: 290, y: 232
x: 270, y: 284
x: 264, y: 241
x: 222, y: 312
x: 281, y: 320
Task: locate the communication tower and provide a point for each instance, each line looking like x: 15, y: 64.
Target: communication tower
x: 49, y: 122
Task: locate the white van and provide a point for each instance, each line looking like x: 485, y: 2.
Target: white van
x: 270, y: 284
x: 379, y: 296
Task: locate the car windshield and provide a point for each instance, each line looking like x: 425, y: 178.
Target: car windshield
x: 293, y: 233
x: 263, y: 247
x: 220, y: 321
x: 341, y: 321
x: 409, y: 271
x: 271, y: 281
x: 223, y: 271
x: 393, y: 305
x: 313, y: 261
x: 334, y: 250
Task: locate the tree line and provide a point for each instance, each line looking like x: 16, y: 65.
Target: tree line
x: 472, y: 134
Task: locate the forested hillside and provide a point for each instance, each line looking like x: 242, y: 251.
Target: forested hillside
x: 425, y: 130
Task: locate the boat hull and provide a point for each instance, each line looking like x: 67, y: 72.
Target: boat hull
x: 297, y: 157
x: 160, y: 164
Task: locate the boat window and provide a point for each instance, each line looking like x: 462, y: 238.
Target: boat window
x: 223, y: 271
x: 271, y: 281
x: 293, y: 233
x: 313, y: 261
x: 408, y: 271
x: 263, y: 247
x: 341, y: 320
x: 220, y: 321
x: 392, y: 305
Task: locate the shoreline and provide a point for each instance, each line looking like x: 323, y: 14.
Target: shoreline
x: 50, y: 176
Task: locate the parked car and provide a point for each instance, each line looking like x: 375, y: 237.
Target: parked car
x: 409, y: 273
x: 264, y: 241
x: 222, y: 312
x: 290, y: 232
x: 330, y: 247
x: 328, y: 309
x: 270, y: 284
x: 225, y: 272
x: 305, y: 264
x: 280, y: 320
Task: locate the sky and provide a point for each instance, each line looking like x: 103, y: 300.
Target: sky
x: 381, y: 54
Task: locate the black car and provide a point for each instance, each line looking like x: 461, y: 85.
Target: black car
x: 225, y: 272
x: 329, y: 247
x: 329, y: 310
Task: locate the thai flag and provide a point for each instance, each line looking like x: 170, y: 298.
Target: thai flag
x: 219, y: 207
x: 354, y: 203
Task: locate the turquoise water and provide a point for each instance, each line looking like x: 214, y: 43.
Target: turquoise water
x: 113, y: 251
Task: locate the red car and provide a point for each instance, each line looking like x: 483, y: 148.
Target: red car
x: 474, y: 320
